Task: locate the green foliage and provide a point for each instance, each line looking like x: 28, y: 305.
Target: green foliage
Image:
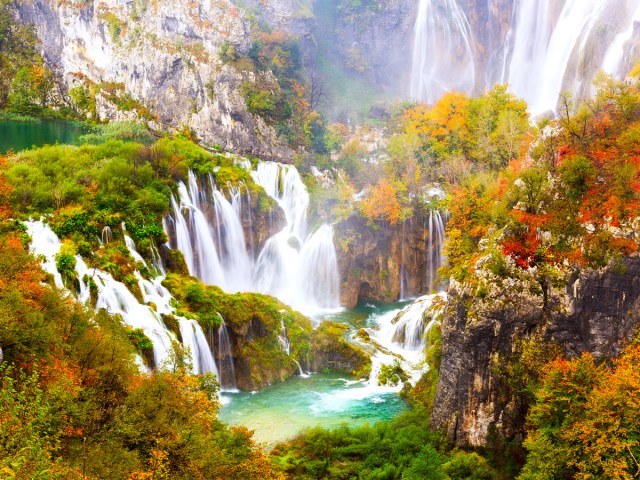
x: 228, y: 53
x: 139, y: 340
x: 392, y: 374
x: 401, y: 448
x: 66, y: 264
x: 468, y: 466
x: 118, y: 131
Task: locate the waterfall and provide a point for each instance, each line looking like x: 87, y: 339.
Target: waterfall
x: 298, y: 268
x: 107, y: 235
x: 533, y: 30
x: 550, y: 46
x: 132, y: 248
x: 442, y: 55
x: 193, y: 337
x: 44, y: 242
x: 400, y: 337
x: 225, y: 358
x: 612, y: 63
x: 556, y: 52
x: 435, y: 255
x: 286, y: 346
x: 116, y: 299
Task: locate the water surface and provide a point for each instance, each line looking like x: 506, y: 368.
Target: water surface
x: 17, y: 136
x: 281, y: 411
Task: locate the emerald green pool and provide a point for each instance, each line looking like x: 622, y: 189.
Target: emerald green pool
x: 17, y: 136
x: 281, y: 411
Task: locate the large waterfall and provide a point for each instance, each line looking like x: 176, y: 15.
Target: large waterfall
x: 442, y: 56
x: 550, y: 46
x: 298, y: 268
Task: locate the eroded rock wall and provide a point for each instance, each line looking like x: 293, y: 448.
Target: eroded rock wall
x: 592, y: 311
x: 374, y: 259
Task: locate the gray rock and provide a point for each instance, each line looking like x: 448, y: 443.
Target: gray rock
x: 596, y: 312
x: 165, y: 56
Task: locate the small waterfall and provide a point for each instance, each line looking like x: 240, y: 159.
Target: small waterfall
x: 132, y: 248
x: 107, y: 235
x: 194, y: 338
x: 299, y: 269
x: 225, y: 358
x: 442, y: 55
x: 283, y: 339
x: 157, y: 260
x: 286, y: 346
x: 435, y: 256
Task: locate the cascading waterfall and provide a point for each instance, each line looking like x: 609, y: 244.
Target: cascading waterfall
x: 401, y: 334
x: 116, y: 298
x: 442, y: 55
x: 298, y: 268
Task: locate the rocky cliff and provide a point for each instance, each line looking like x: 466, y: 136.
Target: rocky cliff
x: 382, y: 263
x: 157, y: 60
x: 484, y: 327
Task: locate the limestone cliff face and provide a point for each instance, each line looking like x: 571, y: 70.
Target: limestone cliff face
x: 382, y: 263
x: 591, y: 311
x: 163, y: 56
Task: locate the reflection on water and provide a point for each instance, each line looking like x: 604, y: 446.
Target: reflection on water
x: 19, y: 136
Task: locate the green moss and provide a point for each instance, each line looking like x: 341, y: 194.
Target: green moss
x: 172, y: 324
x: 392, y: 374
x: 330, y: 349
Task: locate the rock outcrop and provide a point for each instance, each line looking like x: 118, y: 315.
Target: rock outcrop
x: 330, y: 350
x: 590, y: 311
x: 159, y: 61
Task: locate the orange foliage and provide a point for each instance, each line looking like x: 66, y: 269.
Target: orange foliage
x: 589, y: 416
x: 381, y: 203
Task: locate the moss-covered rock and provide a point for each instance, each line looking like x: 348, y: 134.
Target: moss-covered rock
x: 331, y: 350
x: 257, y: 326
